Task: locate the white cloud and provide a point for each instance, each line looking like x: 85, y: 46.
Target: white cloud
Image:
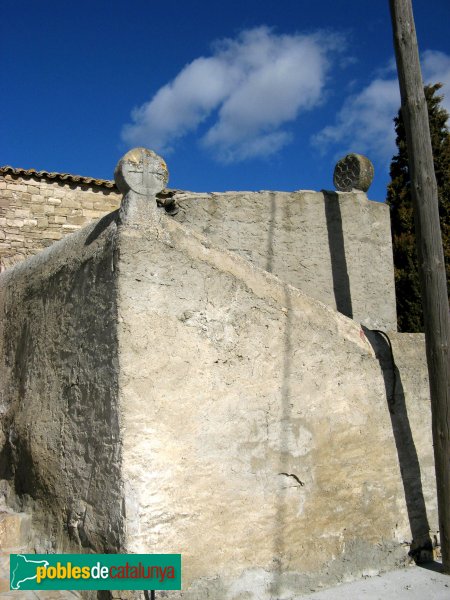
x: 253, y: 85
x: 365, y: 122
x: 436, y: 68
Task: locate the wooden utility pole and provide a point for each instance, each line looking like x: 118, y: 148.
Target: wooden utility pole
x: 429, y: 250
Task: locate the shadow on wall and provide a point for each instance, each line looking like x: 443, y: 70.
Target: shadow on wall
x: 283, y: 465
x: 5, y: 457
x: 341, y: 281
x: 421, y: 545
x: 100, y: 227
x: 335, y: 232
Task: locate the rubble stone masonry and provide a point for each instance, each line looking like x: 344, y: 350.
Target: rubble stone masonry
x: 35, y: 212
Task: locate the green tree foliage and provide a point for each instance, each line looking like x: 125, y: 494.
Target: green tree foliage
x: 407, y: 285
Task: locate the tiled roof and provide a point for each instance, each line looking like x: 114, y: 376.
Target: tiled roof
x: 165, y: 198
x: 62, y: 177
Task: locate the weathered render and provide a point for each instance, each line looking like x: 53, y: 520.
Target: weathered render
x: 59, y: 390
x: 161, y: 393
x: 334, y: 246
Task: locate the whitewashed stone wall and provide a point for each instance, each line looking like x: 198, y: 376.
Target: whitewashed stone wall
x: 163, y: 394
x: 335, y: 246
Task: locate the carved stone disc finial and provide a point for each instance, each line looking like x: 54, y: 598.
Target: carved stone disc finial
x: 353, y: 172
x: 141, y: 171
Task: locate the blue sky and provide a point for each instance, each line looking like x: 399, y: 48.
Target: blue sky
x: 236, y: 95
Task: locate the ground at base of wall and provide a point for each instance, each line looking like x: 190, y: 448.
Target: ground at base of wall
x: 30, y: 595
x: 411, y: 583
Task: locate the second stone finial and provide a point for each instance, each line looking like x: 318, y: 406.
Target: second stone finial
x: 141, y: 171
x: 353, y: 172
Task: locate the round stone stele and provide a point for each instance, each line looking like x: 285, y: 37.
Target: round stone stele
x: 142, y: 171
x: 353, y: 172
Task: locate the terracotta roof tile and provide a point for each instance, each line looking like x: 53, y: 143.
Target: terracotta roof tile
x: 62, y: 177
x: 166, y: 198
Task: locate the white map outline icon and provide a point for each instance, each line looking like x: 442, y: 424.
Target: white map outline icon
x: 37, y: 562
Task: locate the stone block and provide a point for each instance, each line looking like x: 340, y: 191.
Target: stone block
x: 102, y: 206
x: 37, y: 209
x: 78, y: 220
x: 69, y: 228
x: 21, y: 213
x: 14, y: 222
x: 52, y: 235
x: 24, y: 198
x: 75, y: 212
x: 70, y: 203
x: 61, y: 210
x: 91, y: 215
x: 48, y: 190
x: 18, y: 187
x: 57, y: 219
x: 60, y: 191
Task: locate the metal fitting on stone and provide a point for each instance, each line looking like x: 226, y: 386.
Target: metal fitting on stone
x: 353, y: 172
x: 141, y: 171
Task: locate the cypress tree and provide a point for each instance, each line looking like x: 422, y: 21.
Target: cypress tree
x: 407, y: 285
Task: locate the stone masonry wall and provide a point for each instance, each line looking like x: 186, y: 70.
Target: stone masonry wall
x: 34, y: 213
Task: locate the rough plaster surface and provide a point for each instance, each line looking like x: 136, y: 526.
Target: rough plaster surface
x: 334, y: 246
x: 59, y: 391
x: 161, y: 391
x: 234, y: 378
